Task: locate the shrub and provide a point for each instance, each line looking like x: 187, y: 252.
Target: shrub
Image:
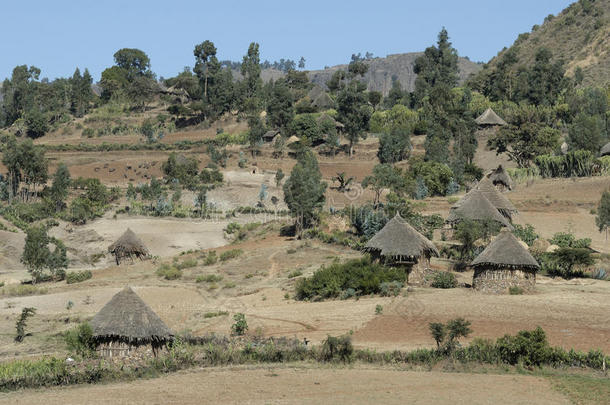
x: 527, y: 347
x: 378, y: 309
x: 187, y: 264
x: 210, y: 259
x: 78, y: 276
x: 168, y: 272
x: 295, y: 273
x: 21, y: 323
x: 526, y: 233
x: 209, y: 278
x: 20, y: 290
x: 79, y: 340
x: 215, y: 314
x: 240, y: 326
x: 230, y: 254
x: 361, y: 275
x: 390, y: 289
x: 515, y: 290
x: 444, y: 279
x: 446, y: 335
x: 337, y: 348
x: 599, y: 274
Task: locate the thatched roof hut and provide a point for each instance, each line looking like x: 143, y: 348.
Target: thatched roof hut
x: 270, y: 135
x: 605, y: 150
x: 128, y: 246
x: 126, y: 323
x: 292, y: 139
x: 475, y: 206
x: 496, y: 198
x: 499, y: 176
x: 399, y: 242
x: 503, y: 264
x: 490, y: 118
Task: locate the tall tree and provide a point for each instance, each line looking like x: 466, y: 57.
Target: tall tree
x: 280, y: 109
x: 205, y: 57
x: 354, y: 112
x: 602, y: 220
x: 252, y: 82
x: 304, y: 191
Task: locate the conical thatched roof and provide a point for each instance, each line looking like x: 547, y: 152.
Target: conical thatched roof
x: 269, y: 135
x: 476, y: 206
x: 506, y: 251
x: 496, y: 198
x: 127, y: 318
x: 128, y: 243
x: 605, y: 151
x: 500, y: 176
x: 399, y: 239
x: 489, y: 117
x: 292, y: 139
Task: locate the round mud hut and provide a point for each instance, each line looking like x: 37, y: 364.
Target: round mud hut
x: 489, y: 119
x: 503, y: 264
x: 126, y: 326
x: 399, y: 244
x: 128, y: 246
x: 497, y: 199
x: 476, y: 207
x: 500, y: 178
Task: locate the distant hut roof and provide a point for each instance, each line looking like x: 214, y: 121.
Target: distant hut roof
x: 292, y: 139
x: 315, y: 91
x: 322, y: 101
x: 476, y: 206
x: 269, y: 135
x: 127, y: 244
x: 399, y: 239
x: 496, y: 198
x: 325, y: 116
x: 500, y: 176
x: 605, y: 151
x: 506, y: 251
x: 489, y: 117
x: 129, y: 319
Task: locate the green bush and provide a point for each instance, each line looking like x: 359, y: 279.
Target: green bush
x: 209, y: 278
x: 360, y: 275
x: 210, y: 259
x: 230, y: 254
x: 240, y: 326
x: 187, y: 264
x: 168, y: 272
x: 391, y: 289
x: 295, y: 273
x: 337, y: 348
x: 515, y: 290
x: 444, y: 279
x: 79, y: 340
x: 78, y: 276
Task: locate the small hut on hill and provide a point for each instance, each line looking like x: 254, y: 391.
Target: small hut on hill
x: 490, y: 119
x: 128, y: 246
x: 475, y: 206
x: 500, y: 178
x: 605, y: 150
x: 497, y: 199
x: 503, y: 264
x: 126, y: 326
x: 398, y: 243
x: 270, y: 135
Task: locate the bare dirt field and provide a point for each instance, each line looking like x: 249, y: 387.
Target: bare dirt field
x: 304, y: 385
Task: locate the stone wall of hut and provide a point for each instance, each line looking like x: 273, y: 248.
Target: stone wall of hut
x: 499, y: 280
x: 121, y: 350
x: 417, y: 271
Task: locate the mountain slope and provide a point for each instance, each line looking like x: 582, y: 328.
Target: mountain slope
x: 579, y: 35
x: 381, y: 72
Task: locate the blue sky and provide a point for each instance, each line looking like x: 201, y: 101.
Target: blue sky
x: 59, y: 35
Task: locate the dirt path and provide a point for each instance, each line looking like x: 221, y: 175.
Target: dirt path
x: 296, y: 385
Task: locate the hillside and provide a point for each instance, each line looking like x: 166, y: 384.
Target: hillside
x: 381, y: 72
x: 579, y: 35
